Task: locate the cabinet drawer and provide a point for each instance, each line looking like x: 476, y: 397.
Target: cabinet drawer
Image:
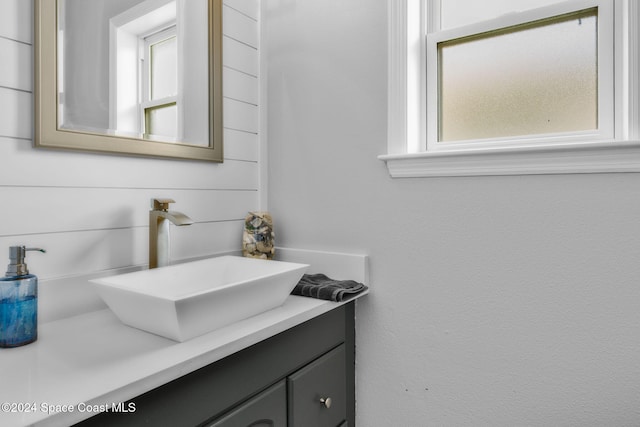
x: 323, y: 380
x: 267, y: 409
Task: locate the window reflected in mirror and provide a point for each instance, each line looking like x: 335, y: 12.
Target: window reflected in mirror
x: 130, y: 76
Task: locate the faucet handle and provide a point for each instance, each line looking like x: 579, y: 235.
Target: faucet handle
x: 161, y: 204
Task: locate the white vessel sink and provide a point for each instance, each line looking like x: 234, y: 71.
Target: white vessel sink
x: 186, y: 300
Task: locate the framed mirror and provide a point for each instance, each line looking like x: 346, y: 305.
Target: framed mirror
x: 139, y: 77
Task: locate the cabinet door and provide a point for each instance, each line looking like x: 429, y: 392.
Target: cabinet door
x: 317, y: 392
x: 268, y: 409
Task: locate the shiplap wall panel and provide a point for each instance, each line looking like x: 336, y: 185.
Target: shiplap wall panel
x: 240, y: 27
x: 240, y: 56
x: 90, y: 211
x: 191, y: 242
x: 251, y: 8
x: 16, y: 20
x: 16, y: 113
x: 241, y: 86
x: 85, y: 252
x: 83, y: 209
x: 241, y: 115
x: 241, y: 145
x: 17, y: 60
x: 49, y: 168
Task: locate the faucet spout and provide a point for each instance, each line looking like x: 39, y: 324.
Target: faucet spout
x: 176, y: 218
x: 159, y: 218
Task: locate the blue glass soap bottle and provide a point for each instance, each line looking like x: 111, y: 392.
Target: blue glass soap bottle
x: 18, y: 301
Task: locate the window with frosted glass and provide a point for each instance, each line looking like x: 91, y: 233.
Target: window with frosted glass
x: 456, y: 13
x: 160, y: 106
x: 162, y: 120
x: 538, y: 78
x: 164, y: 68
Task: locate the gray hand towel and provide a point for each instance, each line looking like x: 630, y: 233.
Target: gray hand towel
x: 322, y: 287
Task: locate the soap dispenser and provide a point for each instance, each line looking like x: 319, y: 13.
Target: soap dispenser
x: 18, y: 301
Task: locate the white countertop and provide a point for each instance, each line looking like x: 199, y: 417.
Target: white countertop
x: 93, y: 359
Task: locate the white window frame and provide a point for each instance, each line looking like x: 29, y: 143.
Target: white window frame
x: 615, y: 148
x: 127, y: 32
x: 146, y: 103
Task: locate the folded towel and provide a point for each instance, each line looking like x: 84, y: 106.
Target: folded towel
x: 322, y: 287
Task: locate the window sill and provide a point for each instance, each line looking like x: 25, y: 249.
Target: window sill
x: 602, y: 157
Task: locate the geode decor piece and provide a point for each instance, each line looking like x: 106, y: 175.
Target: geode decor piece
x: 258, y: 236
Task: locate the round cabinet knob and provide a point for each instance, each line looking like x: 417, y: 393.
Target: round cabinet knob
x: 326, y: 401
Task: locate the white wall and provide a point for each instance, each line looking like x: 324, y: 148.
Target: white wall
x: 495, y: 301
x: 90, y: 211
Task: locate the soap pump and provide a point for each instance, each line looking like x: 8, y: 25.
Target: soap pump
x: 18, y: 301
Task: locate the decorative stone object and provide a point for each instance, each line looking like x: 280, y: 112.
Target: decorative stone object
x: 258, y: 236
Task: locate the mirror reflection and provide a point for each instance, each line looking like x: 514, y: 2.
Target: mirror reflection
x: 134, y: 68
x: 138, y: 77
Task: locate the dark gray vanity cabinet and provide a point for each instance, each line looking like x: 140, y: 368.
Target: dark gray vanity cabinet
x: 302, y: 377
x: 268, y: 409
x: 317, y: 392
x: 313, y: 396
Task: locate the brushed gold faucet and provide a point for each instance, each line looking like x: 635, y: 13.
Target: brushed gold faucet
x: 159, y: 218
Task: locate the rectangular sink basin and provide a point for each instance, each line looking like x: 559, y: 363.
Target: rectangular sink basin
x: 186, y: 300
